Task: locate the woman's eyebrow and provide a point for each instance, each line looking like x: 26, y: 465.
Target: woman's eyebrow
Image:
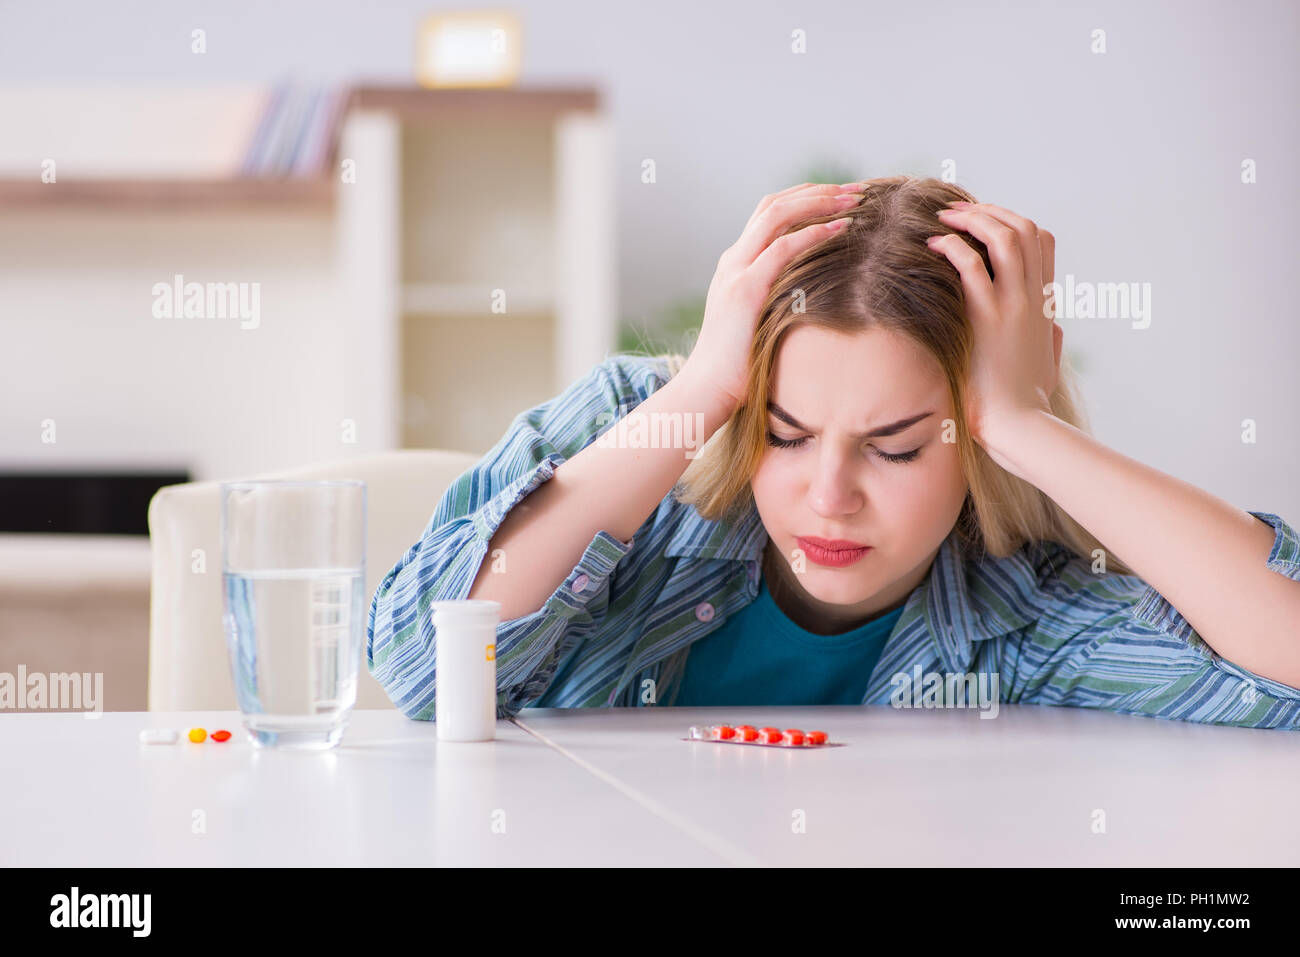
x: 892, y: 429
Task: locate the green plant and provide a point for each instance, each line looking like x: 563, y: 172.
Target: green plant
x: 674, y: 331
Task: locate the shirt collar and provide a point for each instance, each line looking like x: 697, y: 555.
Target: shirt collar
x: 964, y: 599
x: 742, y: 539
x: 974, y: 599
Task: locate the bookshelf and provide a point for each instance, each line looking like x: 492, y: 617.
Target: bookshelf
x: 461, y: 197
x: 499, y: 199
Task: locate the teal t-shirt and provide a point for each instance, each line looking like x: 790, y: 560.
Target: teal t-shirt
x: 760, y: 657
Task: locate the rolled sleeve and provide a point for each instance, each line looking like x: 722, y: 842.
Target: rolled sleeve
x: 1123, y: 665
x: 529, y: 648
x: 1113, y: 642
x: 443, y: 564
x: 1155, y: 610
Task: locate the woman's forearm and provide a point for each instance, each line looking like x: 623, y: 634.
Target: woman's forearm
x: 1204, y: 555
x: 612, y: 485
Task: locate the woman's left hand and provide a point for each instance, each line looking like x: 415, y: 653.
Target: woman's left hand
x: 1016, y: 356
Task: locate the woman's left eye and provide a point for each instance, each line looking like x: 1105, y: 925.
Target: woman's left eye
x: 900, y: 457
x: 781, y: 443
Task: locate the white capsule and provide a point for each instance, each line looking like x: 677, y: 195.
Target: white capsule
x: 159, y: 736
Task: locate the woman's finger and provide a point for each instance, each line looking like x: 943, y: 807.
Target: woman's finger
x: 976, y: 284
x: 1047, y: 248
x: 1004, y: 246
x: 1026, y: 232
x: 782, y: 251
x: 769, y: 199
x: 782, y: 214
x: 1058, y: 337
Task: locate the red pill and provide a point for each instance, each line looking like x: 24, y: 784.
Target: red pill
x: 771, y: 736
x: 725, y: 733
x: 747, y: 733
x: 793, y: 736
x: 768, y: 728
x: 816, y: 737
x: 220, y: 735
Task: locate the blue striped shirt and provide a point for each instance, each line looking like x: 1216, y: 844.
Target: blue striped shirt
x: 1039, y: 623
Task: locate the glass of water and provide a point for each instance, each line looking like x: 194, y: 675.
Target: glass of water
x: 293, y: 576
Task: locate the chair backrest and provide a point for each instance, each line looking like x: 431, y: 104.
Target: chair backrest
x: 188, y: 666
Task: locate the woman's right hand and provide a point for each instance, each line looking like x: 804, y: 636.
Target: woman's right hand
x: 719, y: 362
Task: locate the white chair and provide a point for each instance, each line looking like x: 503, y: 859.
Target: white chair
x: 188, y: 667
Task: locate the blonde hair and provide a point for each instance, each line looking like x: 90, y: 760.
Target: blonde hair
x: 878, y: 273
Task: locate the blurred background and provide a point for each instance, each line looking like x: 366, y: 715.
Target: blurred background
x: 239, y: 238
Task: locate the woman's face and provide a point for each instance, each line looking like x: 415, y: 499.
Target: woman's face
x: 835, y: 483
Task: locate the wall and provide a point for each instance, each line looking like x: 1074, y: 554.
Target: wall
x: 1131, y: 158
x: 126, y: 388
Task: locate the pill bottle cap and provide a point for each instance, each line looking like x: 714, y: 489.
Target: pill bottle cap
x: 468, y: 611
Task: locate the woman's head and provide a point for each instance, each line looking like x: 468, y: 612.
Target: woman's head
x: 823, y: 475
x: 864, y: 330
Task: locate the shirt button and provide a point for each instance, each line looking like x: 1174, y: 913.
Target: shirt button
x: 704, y: 611
x: 581, y: 582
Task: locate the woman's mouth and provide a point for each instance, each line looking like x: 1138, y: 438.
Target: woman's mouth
x: 834, y: 553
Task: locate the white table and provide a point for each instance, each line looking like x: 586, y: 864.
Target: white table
x: 84, y: 792
x: 618, y: 787
x: 946, y: 787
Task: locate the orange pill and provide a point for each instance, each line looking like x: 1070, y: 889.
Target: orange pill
x: 725, y: 733
x: 770, y: 736
x: 198, y: 735
x: 816, y: 737
x: 221, y: 735
x: 747, y: 733
x: 793, y: 736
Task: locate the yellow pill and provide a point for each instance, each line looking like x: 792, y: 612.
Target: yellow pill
x: 198, y: 735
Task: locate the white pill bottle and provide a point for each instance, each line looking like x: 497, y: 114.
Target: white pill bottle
x: 465, y: 694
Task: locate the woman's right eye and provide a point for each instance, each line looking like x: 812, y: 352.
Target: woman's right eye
x: 781, y: 443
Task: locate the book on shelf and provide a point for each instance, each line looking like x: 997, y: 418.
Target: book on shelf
x: 258, y: 146
x: 297, y: 131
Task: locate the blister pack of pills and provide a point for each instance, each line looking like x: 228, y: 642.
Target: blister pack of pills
x: 768, y: 737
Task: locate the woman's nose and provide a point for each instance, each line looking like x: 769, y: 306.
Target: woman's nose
x: 834, y: 490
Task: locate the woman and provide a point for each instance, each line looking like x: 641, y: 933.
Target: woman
x: 897, y: 503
